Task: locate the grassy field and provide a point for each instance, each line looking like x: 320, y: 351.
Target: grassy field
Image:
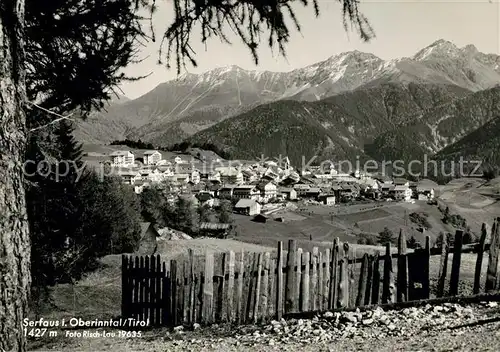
x: 325, y: 223
x: 474, y: 199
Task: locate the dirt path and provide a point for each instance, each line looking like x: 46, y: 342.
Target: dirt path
x: 480, y: 338
x: 433, y: 328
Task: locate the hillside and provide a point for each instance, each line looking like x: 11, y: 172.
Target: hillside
x: 337, y: 127
x: 483, y: 145
x: 439, y: 127
x: 193, y: 102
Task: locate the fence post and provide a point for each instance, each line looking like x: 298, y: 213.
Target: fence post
x: 426, y: 262
x: 314, y: 279
x: 333, y: 274
x: 221, y: 306
x: 306, y: 260
x: 191, y: 286
x: 320, y: 281
x: 343, y: 296
x: 173, y: 292
x: 369, y: 281
x: 152, y: 291
x: 279, y: 282
x: 230, y: 288
x: 402, y: 284
x: 165, y: 295
x: 264, y: 299
x: 351, y: 269
x: 250, y: 284
x: 376, y: 279
x: 290, y: 277
x: 455, y: 265
x: 443, y: 266
x: 326, y: 279
x: 125, y: 287
x: 158, y: 299
x: 479, y: 261
x: 208, y: 289
x: 388, y: 289
x: 363, y: 275
x: 298, y: 280
x: 257, y: 289
x: 240, y: 313
x: 491, y: 276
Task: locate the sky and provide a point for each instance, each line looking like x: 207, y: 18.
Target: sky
x: 401, y: 27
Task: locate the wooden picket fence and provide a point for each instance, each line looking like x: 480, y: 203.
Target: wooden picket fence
x: 255, y: 287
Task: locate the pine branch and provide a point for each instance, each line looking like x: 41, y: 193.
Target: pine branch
x: 60, y: 117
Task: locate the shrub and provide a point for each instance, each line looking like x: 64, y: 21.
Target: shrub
x: 386, y: 236
x: 420, y: 219
x: 366, y: 238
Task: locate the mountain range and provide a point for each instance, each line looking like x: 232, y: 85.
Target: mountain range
x: 352, y: 104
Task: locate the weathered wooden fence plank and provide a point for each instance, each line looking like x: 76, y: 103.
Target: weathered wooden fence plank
x: 479, y: 261
x: 306, y: 261
x: 360, y: 299
x: 250, y: 272
x: 326, y: 278
x: 369, y: 281
x: 258, y: 283
x: 208, y: 289
x: 152, y: 291
x: 229, y: 296
x: 291, y: 287
x: 443, y: 266
x: 279, y: 282
x: 125, y: 287
x: 298, y: 279
x: 239, y: 295
x: 455, y: 265
x: 492, y: 272
x: 173, y: 291
x: 264, y: 295
x: 320, y: 281
x: 334, y: 274
x: 426, y: 285
x: 191, y: 287
x: 221, y: 306
x: 180, y: 292
x: 314, y: 279
x: 272, y: 294
x: 165, y: 296
x: 402, y: 282
x: 376, y: 279
x: 343, y: 296
x: 185, y: 291
x: 388, y: 288
x: 351, y: 268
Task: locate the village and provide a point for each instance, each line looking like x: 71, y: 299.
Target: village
x: 260, y: 189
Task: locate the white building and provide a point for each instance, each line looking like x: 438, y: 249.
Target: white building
x: 246, y: 192
x: 152, y: 157
x: 154, y: 176
x: 402, y: 193
x: 214, y: 177
x: 195, y: 177
x: 268, y: 191
x: 122, y: 158
x: 130, y: 177
x: 301, y: 188
x: 230, y: 175
x: 247, y: 207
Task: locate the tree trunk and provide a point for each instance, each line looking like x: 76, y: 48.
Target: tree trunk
x: 14, y: 236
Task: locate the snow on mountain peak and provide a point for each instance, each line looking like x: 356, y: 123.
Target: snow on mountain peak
x: 440, y: 47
